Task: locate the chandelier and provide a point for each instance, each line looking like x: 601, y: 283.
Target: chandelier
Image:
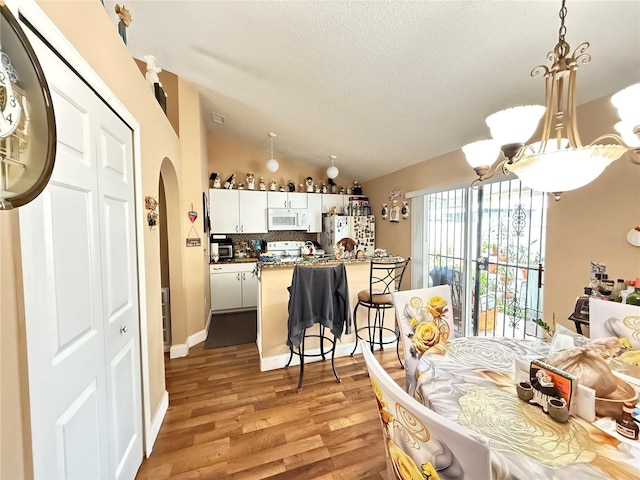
x: 558, y: 161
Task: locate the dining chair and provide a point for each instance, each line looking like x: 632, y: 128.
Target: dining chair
x: 414, y: 306
x: 420, y: 442
x: 385, y: 277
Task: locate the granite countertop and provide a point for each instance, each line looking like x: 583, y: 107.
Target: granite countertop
x: 325, y: 260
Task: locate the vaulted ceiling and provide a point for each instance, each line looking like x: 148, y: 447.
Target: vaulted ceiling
x: 382, y: 85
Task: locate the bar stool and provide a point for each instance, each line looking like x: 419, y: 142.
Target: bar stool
x: 317, y: 295
x: 385, y: 277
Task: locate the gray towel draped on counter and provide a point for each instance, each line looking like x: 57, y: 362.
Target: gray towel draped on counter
x: 318, y: 295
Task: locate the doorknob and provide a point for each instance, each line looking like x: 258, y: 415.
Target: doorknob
x: 124, y: 329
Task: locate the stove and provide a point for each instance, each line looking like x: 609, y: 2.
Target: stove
x: 285, y: 250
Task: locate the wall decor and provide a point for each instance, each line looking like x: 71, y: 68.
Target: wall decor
x: 394, y: 214
x: 385, y: 211
x: 405, y: 210
x: 395, y: 193
x: 193, y: 241
x: 27, y: 128
x: 151, y: 204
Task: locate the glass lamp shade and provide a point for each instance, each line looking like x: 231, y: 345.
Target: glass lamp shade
x: 627, y: 101
x: 565, y: 169
x: 625, y: 129
x: 515, y: 125
x: 332, y: 172
x: 272, y: 165
x: 481, y: 153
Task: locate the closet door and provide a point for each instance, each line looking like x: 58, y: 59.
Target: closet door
x: 80, y: 288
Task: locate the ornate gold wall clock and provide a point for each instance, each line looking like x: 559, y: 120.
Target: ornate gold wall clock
x: 27, y: 124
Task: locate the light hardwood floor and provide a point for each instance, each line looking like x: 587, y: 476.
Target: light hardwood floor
x: 228, y: 420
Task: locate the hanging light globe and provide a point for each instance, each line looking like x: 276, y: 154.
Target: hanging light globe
x: 332, y: 171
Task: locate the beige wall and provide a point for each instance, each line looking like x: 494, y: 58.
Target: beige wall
x: 587, y: 224
x: 228, y: 156
x: 98, y: 43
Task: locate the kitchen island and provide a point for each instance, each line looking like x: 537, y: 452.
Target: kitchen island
x: 273, y: 299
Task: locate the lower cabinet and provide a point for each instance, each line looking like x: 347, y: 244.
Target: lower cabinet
x: 233, y: 286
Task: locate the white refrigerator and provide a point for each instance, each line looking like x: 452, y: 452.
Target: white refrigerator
x: 362, y: 229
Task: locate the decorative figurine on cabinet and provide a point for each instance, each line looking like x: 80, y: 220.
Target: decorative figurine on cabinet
x: 125, y: 19
x: 231, y: 181
x: 385, y: 211
x: 342, y: 192
x: 333, y: 186
x: 214, y: 180
x: 273, y: 186
x: 291, y: 186
x: 309, y: 182
x: 241, y: 186
x: 349, y: 191
x: 251, y: 181
x: 316, y: 188
x: 357, y: 189
x: 262, y: 186
x: 323, y: 188
x: 405, y: 210
x: 301, y: 188
x: 282, y: 189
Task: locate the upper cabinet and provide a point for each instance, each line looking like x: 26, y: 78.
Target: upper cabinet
x: 286, y: 200
x: 238, y: 211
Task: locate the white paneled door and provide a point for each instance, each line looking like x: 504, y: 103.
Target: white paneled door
x: 81, y: 292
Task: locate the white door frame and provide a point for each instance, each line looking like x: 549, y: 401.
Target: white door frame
x: 47, y: 29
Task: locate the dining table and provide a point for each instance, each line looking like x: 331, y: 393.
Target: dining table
x: 470, y: 380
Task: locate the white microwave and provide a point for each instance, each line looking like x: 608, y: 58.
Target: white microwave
x: 288, y: 219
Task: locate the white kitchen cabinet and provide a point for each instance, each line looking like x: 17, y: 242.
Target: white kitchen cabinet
x: 314, y: 212
x: 237, y: 211
x: 286, y: 200
x: 330, y: 200
x: 233, y: 286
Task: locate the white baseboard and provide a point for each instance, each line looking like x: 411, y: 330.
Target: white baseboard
x: 156, y: 423
x: 342, y: 350
x: 197, y: 338
x: 179, y: 350
x: 182, y: 349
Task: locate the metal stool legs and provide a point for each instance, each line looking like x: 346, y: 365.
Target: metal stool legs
x: 377, y: 327
x: 301, y: 353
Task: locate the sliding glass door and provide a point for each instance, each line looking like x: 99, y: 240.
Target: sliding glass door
x: 488, y: 244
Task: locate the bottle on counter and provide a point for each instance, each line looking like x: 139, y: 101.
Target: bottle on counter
x: 634, y: 297
x: 595, y: 283
x: 624, y: 293
x: 625, y: 425
x: 618, y: 288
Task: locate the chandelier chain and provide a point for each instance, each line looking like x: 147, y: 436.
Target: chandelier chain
x: 563, y: 30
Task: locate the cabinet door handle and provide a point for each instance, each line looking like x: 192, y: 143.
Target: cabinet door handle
x: 238, y: 276
x: 236, y: 228
x: 243, y: 276
x: 242, y: 228
x: 285, y: 204
x: 216, y: 268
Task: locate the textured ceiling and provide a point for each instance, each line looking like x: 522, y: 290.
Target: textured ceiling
x: 382, y: 85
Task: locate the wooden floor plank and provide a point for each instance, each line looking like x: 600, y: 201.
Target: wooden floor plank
x: 228, y: 420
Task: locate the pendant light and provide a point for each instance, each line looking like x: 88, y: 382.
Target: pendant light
x: 272, y: 163
x: 332, y: 171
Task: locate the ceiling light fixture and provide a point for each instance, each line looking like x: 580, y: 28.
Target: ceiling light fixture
x: 272, y: 163
x: 332, y: 171
x: 558, y: 161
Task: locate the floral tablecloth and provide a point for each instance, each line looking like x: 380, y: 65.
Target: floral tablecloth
x: 470, y: 381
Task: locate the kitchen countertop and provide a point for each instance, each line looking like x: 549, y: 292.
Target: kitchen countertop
x: 325, y: 260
